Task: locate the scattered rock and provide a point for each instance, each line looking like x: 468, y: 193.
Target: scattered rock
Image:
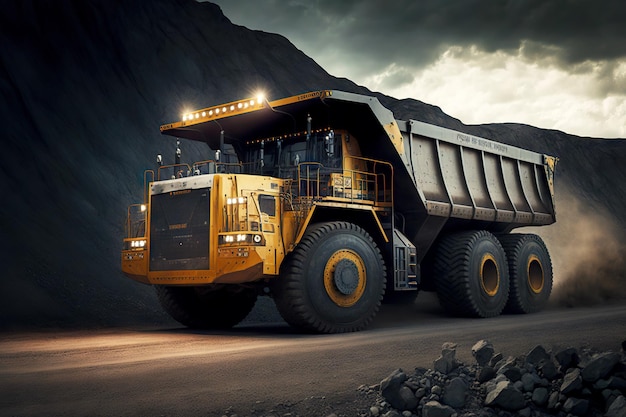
x: 569, y: 383
x: 396, y: 392
x: 528, y: 382
x: 506, y: 396
x: 617, y: 408
x: 486, y: 374
x: 572, y: 382
x: 447, y: 361
x: 600, y: 366
x: 548, y: 370
x: 436, y: 409
x: 482, y: 352
x: 576, y: 406
x: 454, y: 395
x: 540, y: 396
x: 537, y: 355
x: 567, y: 358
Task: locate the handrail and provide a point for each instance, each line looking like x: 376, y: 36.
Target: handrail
x: 378, y: 173
x: 308, y: 180
x: 179, y: 174
x: 135, y: 220
x: 146, y: 183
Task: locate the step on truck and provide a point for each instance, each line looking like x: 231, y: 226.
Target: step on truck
x: 328, y: 204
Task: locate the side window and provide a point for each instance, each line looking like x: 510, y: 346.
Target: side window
x: 267, y: 204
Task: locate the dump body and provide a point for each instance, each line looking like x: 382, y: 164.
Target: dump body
x: 463, y: 181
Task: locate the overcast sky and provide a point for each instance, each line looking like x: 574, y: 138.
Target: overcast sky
x: 556, y: 64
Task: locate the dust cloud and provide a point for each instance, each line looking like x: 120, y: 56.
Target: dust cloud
x: 587, y: 249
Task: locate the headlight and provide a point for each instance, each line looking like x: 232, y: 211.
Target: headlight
x: 253, y: 239
x: 136, y: 244
x: 236, y: 200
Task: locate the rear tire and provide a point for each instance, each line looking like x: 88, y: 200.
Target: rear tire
x: 471, y: 274
x: 206, y: 307
x: 333, y: 282
x: 530, y: 270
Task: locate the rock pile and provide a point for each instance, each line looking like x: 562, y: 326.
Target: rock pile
x: 569, y: 382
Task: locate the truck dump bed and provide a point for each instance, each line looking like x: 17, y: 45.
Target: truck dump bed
x: 465, y: 181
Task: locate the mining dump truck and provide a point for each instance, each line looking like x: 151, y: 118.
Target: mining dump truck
x: 327, y: 203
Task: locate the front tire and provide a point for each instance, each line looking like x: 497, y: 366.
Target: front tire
x: 333, y: 281
x: 471, y: 274
x: 530, y: 269
x: 206, y: 307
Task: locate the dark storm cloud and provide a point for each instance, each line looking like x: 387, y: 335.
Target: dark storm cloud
x: 373, y: 34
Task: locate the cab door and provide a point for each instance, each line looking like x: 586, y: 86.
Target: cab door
x: 269, y: 224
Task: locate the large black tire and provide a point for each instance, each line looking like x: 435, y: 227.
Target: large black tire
x: 471, y: 274
x: 530, y: 271
x: 333, y: 281
x: 206, y: 307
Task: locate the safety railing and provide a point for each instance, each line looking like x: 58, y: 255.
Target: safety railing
x: 368, y: 181
x: 136, y: 221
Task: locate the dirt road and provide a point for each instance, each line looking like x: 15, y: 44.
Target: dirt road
x: 261, y: 369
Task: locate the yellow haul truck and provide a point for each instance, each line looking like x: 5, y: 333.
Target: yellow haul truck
x: 327, y: 203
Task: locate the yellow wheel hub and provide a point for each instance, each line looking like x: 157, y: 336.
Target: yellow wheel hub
x: 345, y: 278
x: 489, y: 275
x: 535, y: 274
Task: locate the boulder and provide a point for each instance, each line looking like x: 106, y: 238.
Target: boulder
x: 600, y: 366
x: 537, y: 354
x: 567, y: 358
x: 482, y: 352
x: 455, y: 392
x: 436, y: 409
x: 447, y: 361
x: 528, y: 382
x: 540, y: 396
x: 572, y: 382
x: 506, y: 396
x: 617, y: 408
x: 396, y: 393
x: 485, y: 374
x: 576, y: 406
x: 548, y: 370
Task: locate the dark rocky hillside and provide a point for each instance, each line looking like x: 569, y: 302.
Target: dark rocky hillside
x: 85, y: 85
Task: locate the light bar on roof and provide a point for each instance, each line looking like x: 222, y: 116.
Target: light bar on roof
x: 235, y: 107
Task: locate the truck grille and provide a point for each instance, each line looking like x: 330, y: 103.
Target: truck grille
x: 179, y: 230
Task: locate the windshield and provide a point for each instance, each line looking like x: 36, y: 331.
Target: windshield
x: 279, y: 157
